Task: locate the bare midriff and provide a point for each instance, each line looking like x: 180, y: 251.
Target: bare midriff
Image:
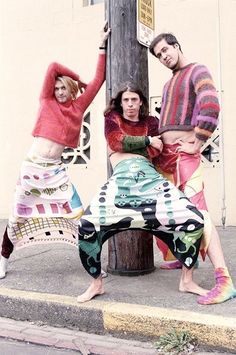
x: 173, y: 137
x: 117, y: 157
x: 46, y: 148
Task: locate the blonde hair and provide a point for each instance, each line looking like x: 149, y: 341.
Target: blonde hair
x: 70, y: 84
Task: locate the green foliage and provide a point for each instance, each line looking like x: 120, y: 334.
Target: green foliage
x: 176, y: 343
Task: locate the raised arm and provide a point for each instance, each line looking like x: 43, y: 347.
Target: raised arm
x: 85, y: 99
x: 54, y: 70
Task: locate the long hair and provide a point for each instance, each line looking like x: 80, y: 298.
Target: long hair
x: 70, y: 84
x: 168, y: 37
x: 115, y: 102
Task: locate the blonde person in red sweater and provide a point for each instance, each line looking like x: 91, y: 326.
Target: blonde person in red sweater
x: 44, y: 197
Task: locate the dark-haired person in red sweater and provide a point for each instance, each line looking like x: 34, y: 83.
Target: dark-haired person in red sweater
x: 44, y: 195
x: 136, y: 196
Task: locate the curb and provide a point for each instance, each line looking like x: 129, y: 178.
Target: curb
x: 126, y: 320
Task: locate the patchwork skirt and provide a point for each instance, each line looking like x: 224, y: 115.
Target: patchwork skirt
x: 46, y: 205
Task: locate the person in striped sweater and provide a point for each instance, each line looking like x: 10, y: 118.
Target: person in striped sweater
x: 188, y: 117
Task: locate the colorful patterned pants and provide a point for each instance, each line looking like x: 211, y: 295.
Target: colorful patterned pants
x: 138, y: 197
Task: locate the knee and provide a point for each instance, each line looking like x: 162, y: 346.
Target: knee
x: 7, y: 246
x: 85, y: 229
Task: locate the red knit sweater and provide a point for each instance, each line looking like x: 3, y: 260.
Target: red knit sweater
x: 127, y: 136
x: 61, y: 122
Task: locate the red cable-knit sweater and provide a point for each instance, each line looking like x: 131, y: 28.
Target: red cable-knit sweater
x: 127, y: 136
x: 61, y: 122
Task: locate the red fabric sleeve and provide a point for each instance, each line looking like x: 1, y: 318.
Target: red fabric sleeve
x: 85, y: 99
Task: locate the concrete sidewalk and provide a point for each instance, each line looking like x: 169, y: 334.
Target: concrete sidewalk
x: 17, y: 337
x: 43, y: 282
x: 51, y: 339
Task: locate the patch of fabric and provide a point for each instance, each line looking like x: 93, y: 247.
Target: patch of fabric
x: 45, y: 190
x: 46, y: 204
x: 43, y: 231
x: 185, y: 172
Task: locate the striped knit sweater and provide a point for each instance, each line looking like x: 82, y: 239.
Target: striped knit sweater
x: 190, y: 102
x: 127, y: 136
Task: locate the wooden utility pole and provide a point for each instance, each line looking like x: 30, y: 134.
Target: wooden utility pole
x: 130, y: 252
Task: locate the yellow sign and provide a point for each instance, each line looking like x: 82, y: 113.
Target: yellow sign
x: 146, y: 13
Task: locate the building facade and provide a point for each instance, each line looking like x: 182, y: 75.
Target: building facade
x: 36, y: 33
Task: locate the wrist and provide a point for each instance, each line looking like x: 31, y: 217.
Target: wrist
x: 148, y: 140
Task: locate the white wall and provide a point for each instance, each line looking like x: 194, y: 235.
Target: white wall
x: 35, y: 33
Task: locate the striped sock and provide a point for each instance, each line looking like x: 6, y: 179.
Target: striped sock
x: 223, y: 290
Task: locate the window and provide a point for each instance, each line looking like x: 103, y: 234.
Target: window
x: 81, y: 154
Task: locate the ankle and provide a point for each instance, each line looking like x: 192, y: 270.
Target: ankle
x: 3, y: 260
x: 221, y: 272
x: 3, y: 267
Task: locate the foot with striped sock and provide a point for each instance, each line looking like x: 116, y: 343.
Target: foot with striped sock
x: 223, y: 291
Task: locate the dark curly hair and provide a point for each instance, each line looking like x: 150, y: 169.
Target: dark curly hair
x: 115, y: 102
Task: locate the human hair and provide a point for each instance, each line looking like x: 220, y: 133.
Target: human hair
x: 115, y: 102
x: 170, y: 39
x: 70, y: 84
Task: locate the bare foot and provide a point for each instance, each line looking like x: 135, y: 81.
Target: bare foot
x: 192, y: 287
x: 95, y: 289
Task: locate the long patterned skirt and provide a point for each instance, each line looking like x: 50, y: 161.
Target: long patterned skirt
x: 138, y: 197
x: 185, y: 172
x: 46, y: 205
